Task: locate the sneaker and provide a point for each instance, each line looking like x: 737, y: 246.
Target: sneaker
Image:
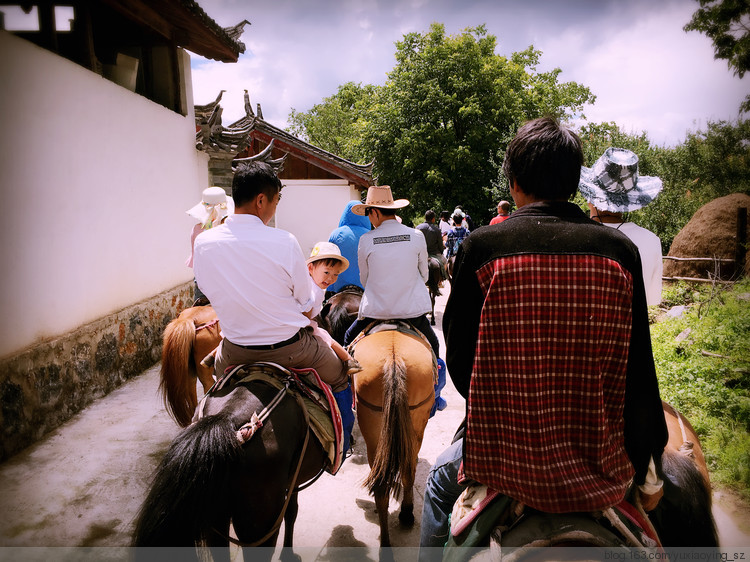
x: 441, y: 403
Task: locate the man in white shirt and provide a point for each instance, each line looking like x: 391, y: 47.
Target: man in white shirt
x: 392, y: 267
x: 612, y: 187
x: 257, y: 281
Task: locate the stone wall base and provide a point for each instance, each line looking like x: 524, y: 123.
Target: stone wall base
x: 49, y: 382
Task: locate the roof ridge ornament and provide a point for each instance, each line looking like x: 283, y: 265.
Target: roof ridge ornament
x: 248, y: 106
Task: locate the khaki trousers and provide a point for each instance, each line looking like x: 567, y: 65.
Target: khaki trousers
x: 309, y: 352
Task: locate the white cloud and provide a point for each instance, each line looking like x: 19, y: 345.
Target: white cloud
x: 646, y: 72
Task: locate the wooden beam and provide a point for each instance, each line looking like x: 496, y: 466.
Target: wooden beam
x: 307, y: 157
x: 144, y: 15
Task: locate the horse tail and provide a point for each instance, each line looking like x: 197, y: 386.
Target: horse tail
x: 683, y: 516
x: 177, y: 385
x: 189, y: 496
x: 396, y: 453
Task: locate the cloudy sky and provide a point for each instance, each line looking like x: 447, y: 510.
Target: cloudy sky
x: 647, y: 73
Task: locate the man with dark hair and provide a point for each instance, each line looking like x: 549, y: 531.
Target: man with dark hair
x: 257, y: 281
x: 548, y: 340
x: 434, y: 239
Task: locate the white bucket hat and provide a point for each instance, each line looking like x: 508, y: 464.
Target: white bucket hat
x: 327, y: 250
x: 379, y: 196
x: 214, y: 206
x: 613, y: 184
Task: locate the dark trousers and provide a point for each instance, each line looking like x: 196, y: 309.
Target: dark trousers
x: 420, y: 323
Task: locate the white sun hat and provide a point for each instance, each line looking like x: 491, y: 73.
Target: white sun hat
x: 215, y: 205
x: 613, y: 184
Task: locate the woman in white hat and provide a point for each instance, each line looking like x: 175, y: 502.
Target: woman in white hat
x: 214, y: 207
x: 612, y: 187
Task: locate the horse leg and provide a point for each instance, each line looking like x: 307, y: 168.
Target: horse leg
x: 406, y: 515
x: 287, y: 553
x: 381, y: 505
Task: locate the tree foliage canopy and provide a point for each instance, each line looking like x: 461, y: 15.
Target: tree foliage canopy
x: 727, y: 24
x: 446, y: 108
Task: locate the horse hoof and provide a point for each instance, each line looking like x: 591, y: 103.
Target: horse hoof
x: 406, y: 518
x: 288, y: 555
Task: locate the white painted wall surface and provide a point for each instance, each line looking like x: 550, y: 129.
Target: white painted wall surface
x: 311, y: 209
x: 94, y: 184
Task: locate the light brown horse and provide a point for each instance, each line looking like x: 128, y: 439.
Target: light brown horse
x: 187, y: 340
x: 395, y: 392
x: 683, y: 516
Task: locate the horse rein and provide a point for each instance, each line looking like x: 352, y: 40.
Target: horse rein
x: 253, y: 428
x: 206, y: 325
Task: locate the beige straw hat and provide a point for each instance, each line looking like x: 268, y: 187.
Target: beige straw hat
x: 379, y: 196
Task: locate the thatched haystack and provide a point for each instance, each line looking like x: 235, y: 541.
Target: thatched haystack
x: 711, y: 233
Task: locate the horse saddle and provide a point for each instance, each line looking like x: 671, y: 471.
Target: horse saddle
x: 312, y: 394
x: 483, y: 517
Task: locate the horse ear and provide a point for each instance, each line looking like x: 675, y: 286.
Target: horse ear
x: 325, y: 309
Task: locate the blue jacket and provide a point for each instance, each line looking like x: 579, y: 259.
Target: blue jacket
x: 346, y: 237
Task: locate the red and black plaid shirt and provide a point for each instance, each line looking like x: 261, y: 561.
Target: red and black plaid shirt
x: 545, y: 413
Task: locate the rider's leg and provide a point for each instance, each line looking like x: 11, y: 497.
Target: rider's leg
x: 344, y: 402
x: 357, y: 326
x: 441, y: 492
x: 422, y: 324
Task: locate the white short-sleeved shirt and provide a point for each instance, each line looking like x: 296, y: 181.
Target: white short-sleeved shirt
x: 649, y: 246
x: 393, y: 270
x: 256, y: 279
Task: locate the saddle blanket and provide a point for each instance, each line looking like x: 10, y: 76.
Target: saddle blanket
x: 317, y: 398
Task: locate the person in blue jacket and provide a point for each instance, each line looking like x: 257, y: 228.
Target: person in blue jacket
x: 346, y: 237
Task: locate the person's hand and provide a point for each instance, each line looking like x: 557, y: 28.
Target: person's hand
x: 650, y: 501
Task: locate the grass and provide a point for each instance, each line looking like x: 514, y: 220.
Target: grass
x: 703, y: 363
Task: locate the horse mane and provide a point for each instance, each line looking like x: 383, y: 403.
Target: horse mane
x: 683, y: 517
x: 176, y: 359
x: 396, y: 455
x: 339, y: 321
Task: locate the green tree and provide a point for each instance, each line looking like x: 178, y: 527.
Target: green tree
x: 335, y: 124
x: 446, y: 108
x: 434, y: 129
x: 725, y: 22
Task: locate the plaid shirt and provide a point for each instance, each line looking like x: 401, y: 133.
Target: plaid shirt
x: 547, y: 338
x: 543, y: 315
x: 455, y: 236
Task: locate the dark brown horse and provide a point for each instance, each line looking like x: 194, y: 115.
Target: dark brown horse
x: 449, y: 267
x: 340, y: 311
x: 210, y: 478
x: 434, y: 278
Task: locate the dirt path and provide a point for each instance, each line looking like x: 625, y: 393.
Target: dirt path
x: 82, y: 484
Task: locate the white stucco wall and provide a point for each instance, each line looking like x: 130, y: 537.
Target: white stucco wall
x: 94, y: 184
x: 311, y: 209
